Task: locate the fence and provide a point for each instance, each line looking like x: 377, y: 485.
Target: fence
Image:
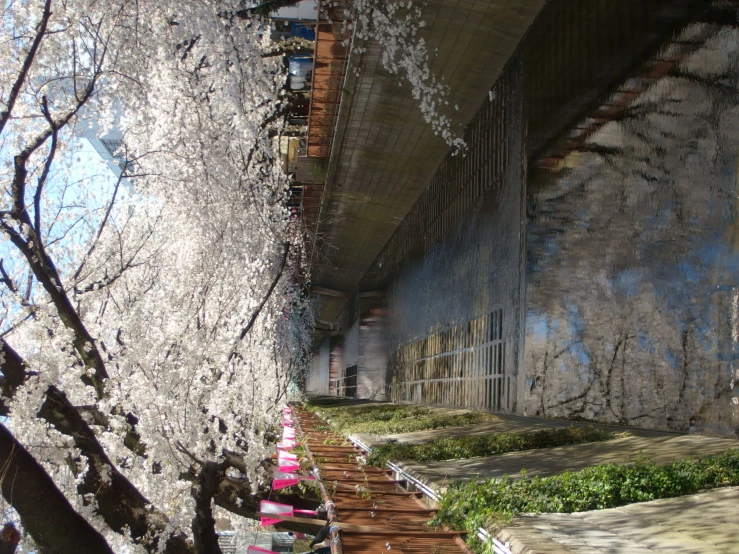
x: 465, y: 365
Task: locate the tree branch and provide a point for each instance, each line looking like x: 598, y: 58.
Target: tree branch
x: 45, y: 513
x: 103, y: 223
x: 46, y: 273
x: 47, y: 167
x: 203, y: 524
x: 119, y: 503
x: 6, y: 278
x: 15, y: 373
x: 23, y: 73
x: 271, y: 289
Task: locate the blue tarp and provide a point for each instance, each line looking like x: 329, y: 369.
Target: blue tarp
x: 302, y: 30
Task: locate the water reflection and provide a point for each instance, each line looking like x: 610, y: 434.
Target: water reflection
x: 633, y: 261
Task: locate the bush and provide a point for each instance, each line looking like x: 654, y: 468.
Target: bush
x: 489, y: 503
x: 385, y: 419
x: 457, y: 448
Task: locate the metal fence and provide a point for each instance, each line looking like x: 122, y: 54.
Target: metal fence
x: 461, y: 180
x: 464, y: 365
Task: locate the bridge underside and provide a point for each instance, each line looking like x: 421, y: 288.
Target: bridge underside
x: 385, y: 153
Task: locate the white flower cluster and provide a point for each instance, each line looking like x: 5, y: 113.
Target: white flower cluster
x: 163, y: 306
x: 394, y: 26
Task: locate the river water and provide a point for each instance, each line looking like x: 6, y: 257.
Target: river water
x: 632, y: 265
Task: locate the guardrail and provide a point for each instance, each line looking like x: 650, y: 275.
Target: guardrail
x: 482, y: 534
x: 421, y: 486
x: 498, y: 547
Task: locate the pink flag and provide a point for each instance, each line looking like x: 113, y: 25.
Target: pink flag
x: 258, y: 550
x: 283, y: 479
x: 287, y: 456
x: 275, y: 510
x: 286, y: 445
x: 288, y: 433
x: 287, y: 409
x: 288, y: 467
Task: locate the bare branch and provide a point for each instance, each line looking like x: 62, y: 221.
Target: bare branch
x: 47, y: 167
x: 254, y: 316
x: 6, y: 278
x: 23, y: 73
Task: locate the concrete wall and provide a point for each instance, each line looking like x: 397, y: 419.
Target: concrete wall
x: 373, y: 356
x: 318, y: 376
x: 454, y: 305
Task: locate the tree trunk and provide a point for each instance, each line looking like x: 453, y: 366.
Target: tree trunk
x: 203, y: 524
x: 45, y: 513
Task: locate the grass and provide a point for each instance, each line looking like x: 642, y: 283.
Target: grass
x: 472, y: 446
x: 388, y: 419
x: 490, y: 503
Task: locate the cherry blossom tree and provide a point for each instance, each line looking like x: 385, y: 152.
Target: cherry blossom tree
x: 150, y: 324
x: 148, y: 329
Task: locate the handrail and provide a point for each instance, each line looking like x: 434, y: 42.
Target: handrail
x: 498, y: 547
x: 420, y: 485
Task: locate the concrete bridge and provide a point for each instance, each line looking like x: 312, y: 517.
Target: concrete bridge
x: 579, y: 260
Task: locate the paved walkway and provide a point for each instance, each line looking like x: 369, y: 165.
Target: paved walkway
x: 701, y: 523
x: 574, y: 457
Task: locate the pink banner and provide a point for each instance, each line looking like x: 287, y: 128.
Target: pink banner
x: 287, y: 456
x: 273, y: 509
x: 286, y: 445
x: 278, y: 484
x: 258, y: 550
x: 287, y: 468
x: 284, y: 479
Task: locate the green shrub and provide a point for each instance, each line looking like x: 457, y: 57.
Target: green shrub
x: 386, y: 419
x: 319, y: 168
x: 489, y: 503
x: 458, y: 448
